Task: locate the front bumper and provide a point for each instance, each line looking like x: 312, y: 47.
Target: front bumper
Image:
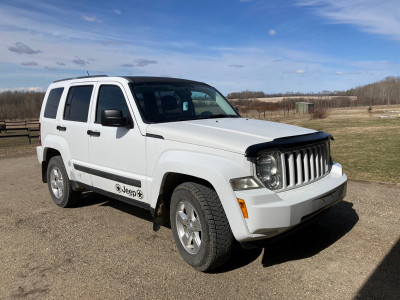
x: 273, y: 213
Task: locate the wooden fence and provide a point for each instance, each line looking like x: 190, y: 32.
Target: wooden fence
x: 10, y: 129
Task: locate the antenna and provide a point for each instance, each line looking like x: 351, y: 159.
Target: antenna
x: 87, y: 73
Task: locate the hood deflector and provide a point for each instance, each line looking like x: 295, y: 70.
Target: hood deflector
x: 288, y: 142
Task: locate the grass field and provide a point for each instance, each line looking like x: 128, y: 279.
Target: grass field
x: 16, y: 147
x: 366, y: 146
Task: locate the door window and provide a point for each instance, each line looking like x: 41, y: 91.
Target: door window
x: 111, y: 98
x: 77, y: 105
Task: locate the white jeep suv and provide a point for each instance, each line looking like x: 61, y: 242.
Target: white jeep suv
x: 179, y: 149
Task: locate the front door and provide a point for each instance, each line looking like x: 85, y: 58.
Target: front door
x: 117, y: 154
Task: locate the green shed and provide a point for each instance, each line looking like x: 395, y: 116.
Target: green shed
x: 304, y: 108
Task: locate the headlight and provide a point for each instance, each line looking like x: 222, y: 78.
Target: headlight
x: 269, y: 170
x: 245, y: 183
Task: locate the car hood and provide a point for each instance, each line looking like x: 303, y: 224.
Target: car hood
x: 229, y: 134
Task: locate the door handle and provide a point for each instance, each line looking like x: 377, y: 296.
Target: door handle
x: 93, y: 133
x: 61, y: 128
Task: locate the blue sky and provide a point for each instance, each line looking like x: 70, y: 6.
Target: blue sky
x: 234, y: 45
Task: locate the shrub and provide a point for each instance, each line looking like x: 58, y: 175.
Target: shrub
x: 319, y: 113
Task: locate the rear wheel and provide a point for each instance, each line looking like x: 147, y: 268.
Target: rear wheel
x: 59, y: 184
x: 199, y: 225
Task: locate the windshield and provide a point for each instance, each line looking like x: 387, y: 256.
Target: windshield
x: 177, y: 101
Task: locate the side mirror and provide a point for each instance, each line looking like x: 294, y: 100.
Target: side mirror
x: 113, y: 118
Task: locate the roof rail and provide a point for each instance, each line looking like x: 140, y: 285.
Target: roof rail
x: 81, y: 77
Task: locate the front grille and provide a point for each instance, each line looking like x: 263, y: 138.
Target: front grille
x: 303, y: 165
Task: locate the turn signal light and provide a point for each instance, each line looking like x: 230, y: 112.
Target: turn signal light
x: 243, y: 207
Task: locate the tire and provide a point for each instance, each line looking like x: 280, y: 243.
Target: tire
x: 199, y: 226
x: 59, y: 184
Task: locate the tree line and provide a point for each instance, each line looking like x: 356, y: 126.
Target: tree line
x: 21, y: 105
x: 384, y: 92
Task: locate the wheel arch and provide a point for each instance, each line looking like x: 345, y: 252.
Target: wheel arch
x: 48, y: 154
x: 168, y: 184
x: 176, y: 167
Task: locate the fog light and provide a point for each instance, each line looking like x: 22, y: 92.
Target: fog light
x: 245, y: 183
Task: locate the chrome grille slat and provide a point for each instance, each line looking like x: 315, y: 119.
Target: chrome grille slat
x: 299, y: 167
x: 303, y: 165
x: 291, y: 170
x: 312, y: 164
x: 283, y: 160
x: 306, y: 165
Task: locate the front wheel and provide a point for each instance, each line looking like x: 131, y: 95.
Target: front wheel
x: 59, y: 184
x: 199, y: 225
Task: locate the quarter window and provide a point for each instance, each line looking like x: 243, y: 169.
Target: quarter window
x: 77, y: 105
x: 111, y: 97
x: 52, y: 103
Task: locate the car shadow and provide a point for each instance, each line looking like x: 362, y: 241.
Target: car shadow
x: 311, y: 240
x: 91, y: 198
x: 299, y: 243
x: 294, y: 245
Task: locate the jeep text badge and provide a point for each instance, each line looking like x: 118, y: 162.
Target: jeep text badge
x: 129, y: 192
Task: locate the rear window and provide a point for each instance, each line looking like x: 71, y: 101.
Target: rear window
x: 77, y: 105
x: 52, y: 103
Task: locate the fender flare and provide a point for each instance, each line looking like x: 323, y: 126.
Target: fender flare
x: 214, y: 169
x: 61, y: 145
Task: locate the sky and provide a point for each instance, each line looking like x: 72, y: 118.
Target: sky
x: 275, y: 46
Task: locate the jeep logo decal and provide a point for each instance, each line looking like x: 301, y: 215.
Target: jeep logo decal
x: 129, y: 192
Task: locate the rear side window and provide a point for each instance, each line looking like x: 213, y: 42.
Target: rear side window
x: 111, y: 97
x: 52, y: 103
x: 77, y: 105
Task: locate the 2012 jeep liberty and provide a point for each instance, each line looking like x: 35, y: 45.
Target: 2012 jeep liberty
x: 179, y: 149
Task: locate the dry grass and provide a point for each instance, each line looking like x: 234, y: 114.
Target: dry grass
x: 367, y: 147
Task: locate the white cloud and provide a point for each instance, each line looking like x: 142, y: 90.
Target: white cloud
x: 300, y: 71
x: 117, y: 11
x: 21, y: 48
x: 272, y: 32
x: 91, y: 19
x: 371, y: 16
x: 144, y: 62
x: 23, y: 89
x: 29, y: 64
x: 79, y: 61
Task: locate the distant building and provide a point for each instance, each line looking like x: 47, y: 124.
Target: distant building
x: 304, y: 108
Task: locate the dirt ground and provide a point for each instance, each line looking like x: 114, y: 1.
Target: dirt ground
x: 104, y: 249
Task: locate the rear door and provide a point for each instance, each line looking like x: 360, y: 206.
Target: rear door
x: 73, y: 127
x: 117, y: 154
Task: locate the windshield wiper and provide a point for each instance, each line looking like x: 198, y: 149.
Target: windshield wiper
x: 220, y: 116
x: 207, y: 117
